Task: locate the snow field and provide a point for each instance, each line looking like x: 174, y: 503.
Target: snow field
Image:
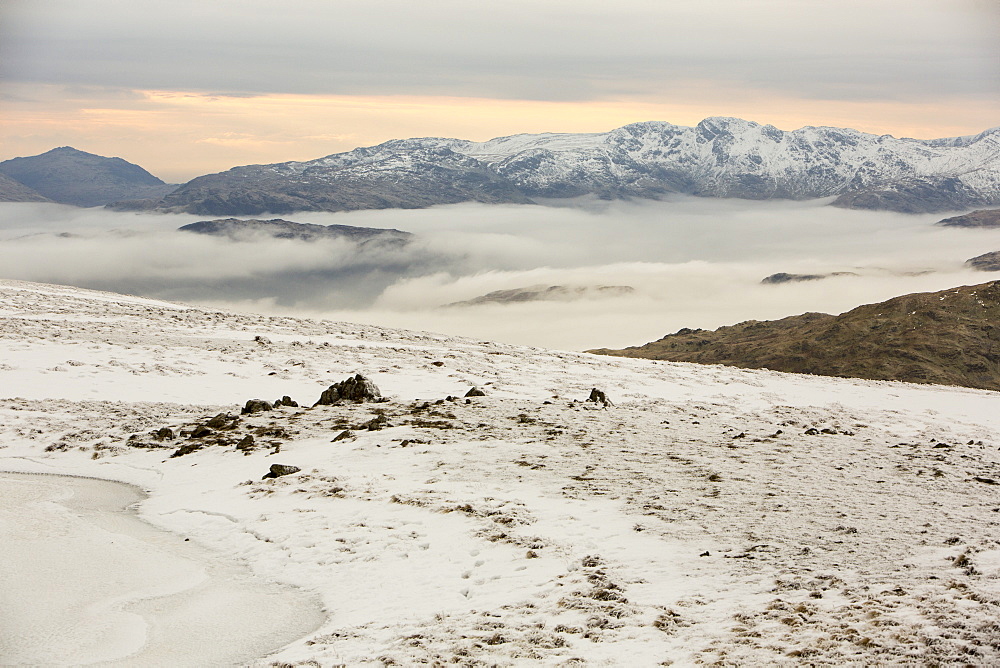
x: 711, y: 514
x: 83, y: 585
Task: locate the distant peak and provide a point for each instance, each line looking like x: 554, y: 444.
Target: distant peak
x: 727, y: 120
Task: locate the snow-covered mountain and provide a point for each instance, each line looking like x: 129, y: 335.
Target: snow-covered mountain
x: 707, y: 515
x: 720, y: 157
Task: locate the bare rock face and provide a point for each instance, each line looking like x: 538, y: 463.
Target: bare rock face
x: 357, y: 388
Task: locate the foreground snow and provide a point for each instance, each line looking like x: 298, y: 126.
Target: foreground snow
x: 709, y: 514
x: 84, y: 584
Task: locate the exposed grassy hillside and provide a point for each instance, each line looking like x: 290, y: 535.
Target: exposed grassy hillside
x: 950, y: 337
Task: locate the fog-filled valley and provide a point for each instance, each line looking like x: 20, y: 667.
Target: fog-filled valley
x: 627, y: 272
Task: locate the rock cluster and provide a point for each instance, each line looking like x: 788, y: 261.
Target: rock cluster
x: 357, y: 388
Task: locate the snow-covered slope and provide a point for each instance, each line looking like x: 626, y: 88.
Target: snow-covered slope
x: 720, y: 157
x: 709, y: 514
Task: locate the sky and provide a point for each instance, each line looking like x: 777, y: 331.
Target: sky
x: 192, y: 87
x: 688, y: 261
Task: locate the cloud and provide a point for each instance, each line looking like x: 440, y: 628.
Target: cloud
x: 551, y: 50
x: 300, y: 79
x: 692, y: 263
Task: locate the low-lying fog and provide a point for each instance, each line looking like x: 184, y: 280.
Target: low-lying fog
x: 690, y: 263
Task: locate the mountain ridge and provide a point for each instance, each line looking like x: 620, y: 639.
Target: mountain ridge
x: 719, y: 157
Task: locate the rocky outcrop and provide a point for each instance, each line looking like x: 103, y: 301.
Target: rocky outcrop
x: 357, y: 388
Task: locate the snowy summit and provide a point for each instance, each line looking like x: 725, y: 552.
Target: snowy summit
x: 719, y: 157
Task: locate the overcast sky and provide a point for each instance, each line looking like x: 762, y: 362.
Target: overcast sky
x: 189, y: 87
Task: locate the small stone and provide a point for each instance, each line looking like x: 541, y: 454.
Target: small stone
x: 164, y: 434
x: 187, y: 449
x: 377, y: 423
x: 599, y: 397
x: 347, y: 433
x: 246, y: 444
x: 201, y: 431
x: 278, y: 470
x: 219, y: 421
x: 475, y: 392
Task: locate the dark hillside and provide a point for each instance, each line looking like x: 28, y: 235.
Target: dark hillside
x: 950, y: 337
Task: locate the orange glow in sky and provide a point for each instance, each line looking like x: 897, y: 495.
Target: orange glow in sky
x: 180, y: 135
